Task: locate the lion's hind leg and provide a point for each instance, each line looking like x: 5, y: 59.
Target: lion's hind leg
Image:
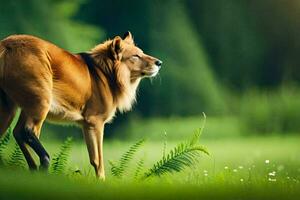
x: 7, y: 112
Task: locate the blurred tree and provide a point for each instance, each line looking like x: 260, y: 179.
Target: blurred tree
x: 49, y: 19
x: 231, y: 37
x: 251, y: 43
x: 278, y: 22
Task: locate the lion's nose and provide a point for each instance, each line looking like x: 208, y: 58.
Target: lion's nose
x: 158, y: 63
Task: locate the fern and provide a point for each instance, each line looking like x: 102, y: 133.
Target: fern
x: 183, y: 155
x: 117, y: 169
x: 4, y: 143
x: 180, y: 157
x: 60, y: 159
x: 16, y: 158
x: 139, y: 168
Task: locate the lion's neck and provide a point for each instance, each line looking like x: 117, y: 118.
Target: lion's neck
x: 127, y: 96
x: 117, y: 80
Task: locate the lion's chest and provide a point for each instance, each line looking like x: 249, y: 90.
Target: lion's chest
x: 62, y: 114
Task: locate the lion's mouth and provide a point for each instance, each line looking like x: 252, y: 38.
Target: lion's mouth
x: 149, y: 73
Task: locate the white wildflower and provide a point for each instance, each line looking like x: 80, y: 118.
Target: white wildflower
x: 273, y: 173
x: 272, y: 179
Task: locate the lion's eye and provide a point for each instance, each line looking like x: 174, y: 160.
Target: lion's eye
x: 135, y: 57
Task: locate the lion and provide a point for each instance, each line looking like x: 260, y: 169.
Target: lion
x: 49, y: 83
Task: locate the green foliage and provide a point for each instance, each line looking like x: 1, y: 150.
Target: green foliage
x: 4, y: 143
x: 187, y: 86
x: 117, y: 169
x: 16, y: 159
x: 183, y: 155
x: 220, y: 183
x: 60, y: 159
x: 139, y: 168
x: 267, y: 112
x: 51, y: 20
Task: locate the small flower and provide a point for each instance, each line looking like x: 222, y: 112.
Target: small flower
x: 273, y: 173
x: 205, y: 174
x: 272, y: 179
x: 205, y: 171
x: 226, y: 167
x: 235, y: 170
x: 267, y: 161
x: 242, y: 180
x: 241, y: 167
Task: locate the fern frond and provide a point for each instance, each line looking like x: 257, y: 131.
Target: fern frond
x: 180, y: 157
x: 16, y: 159
x: 139, y: 168
x: 197, y: 134
x: 60, y: 159
x: 183, y: 155
x: 117, y: 169
x: 4, y: 143
x: 113, y: 168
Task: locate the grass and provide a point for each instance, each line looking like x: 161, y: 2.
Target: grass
x: 40, y: 186
x: 240, y: 168
x: 232, y: 153
x: 177, y: 128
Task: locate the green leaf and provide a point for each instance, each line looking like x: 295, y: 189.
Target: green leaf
x: 118, y: 169
x: 16, y: 159
x: 4, y: 143
x: 185, y: 154
x: 60, y: 159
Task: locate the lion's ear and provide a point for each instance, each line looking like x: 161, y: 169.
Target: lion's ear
x: 116, y: 48
x: 128, y: 37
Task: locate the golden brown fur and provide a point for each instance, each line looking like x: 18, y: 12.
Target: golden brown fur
x: 49, y: 83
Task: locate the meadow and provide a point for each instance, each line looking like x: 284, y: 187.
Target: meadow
x: 239, y: 167
x: 237, y: 61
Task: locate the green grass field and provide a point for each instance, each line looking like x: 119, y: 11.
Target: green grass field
x: 241, y: 168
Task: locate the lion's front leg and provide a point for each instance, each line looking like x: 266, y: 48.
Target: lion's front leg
x: 93, y: 134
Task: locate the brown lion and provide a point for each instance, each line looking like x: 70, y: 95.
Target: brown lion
x: 50, y: 83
